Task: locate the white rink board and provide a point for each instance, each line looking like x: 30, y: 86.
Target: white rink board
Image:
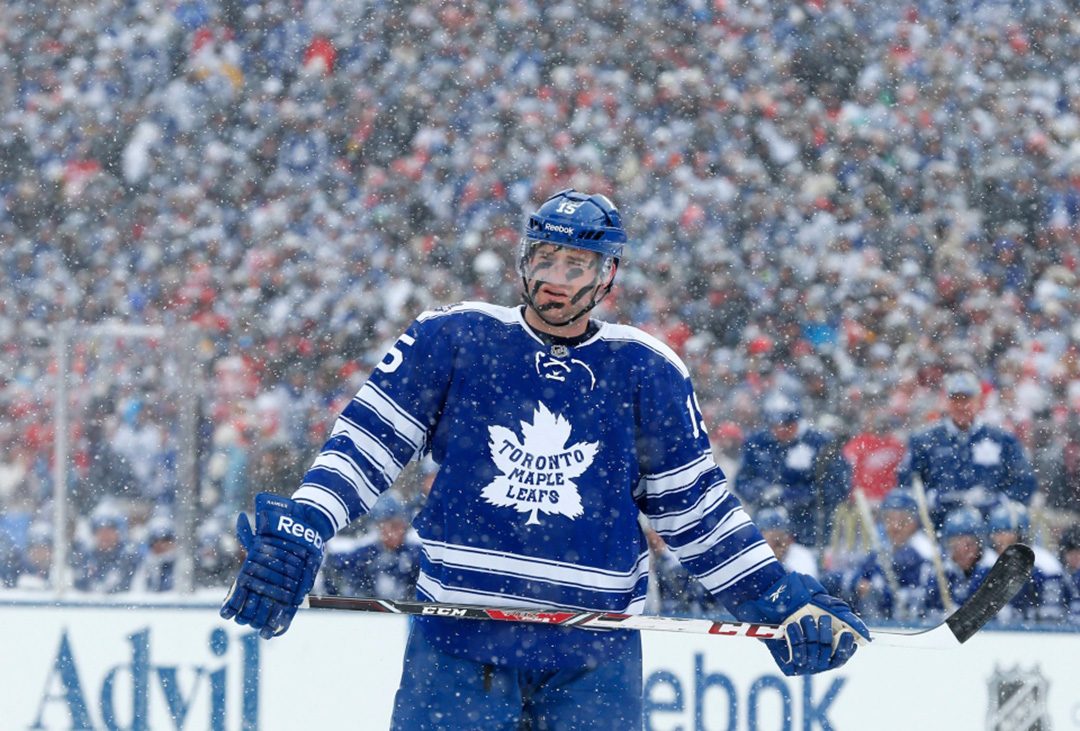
x: 145, y: 668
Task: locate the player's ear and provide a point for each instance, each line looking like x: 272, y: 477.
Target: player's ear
x: 608, y: 274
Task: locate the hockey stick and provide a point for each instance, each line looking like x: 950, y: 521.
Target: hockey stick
x: 919, y: 491
x: 885, y: 559
x: 1010, y: 572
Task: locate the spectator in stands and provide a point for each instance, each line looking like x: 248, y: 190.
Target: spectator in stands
x: 793, y: 465
x: 875, y: 454
x: 890, y: 585
x: 727, y: 441
x: 963, y: 462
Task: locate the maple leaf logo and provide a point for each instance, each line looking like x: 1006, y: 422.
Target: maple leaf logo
x: 538, y: 470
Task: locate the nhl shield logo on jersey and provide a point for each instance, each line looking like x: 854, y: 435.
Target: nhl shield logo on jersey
x: 538, y: 470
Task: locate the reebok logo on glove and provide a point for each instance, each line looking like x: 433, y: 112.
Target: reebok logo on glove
x: 291, y: 527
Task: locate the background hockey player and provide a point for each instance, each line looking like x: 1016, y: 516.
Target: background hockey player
x: 962, y: 461
x: 552, y: 432
x: 384, y: 563
x: 156, y: 571
x: 791, y: 464
x: 775, y: 526
x: 966, y: 564
x: 1069, y: 550
x: 1044, y: 597
x: 893, y: 590
x: 677, y: 592
x: 105, y: 561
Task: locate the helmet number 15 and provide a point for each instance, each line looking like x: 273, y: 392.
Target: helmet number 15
x: 568, y: 207
x: 393, y: 357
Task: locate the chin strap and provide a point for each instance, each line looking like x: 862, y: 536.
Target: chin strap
x: 593, y: 302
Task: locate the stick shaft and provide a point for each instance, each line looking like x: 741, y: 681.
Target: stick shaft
x: 1006, y: 577
x: 558, y: 617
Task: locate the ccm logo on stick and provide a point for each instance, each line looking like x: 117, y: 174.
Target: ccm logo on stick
x: 445, y: 611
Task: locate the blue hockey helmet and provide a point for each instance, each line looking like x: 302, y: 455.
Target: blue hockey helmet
x: 900, y: 500
x: 108, y: 515
x: 963, y: 522
x: 580, y: 220
x: 389, y: 507
x: 780, y: 408
x: 772, y: 519
x: 1009, y: 517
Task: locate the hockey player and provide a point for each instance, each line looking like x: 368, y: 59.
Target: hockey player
x: 383, y: 564
x: 156, y: 571
x: 106, y: 562
x: 967, y: 561
x: 964, y: 462
x: 893, y: 590
x: 35, y: 566
x: 679, y: 593
x: 552, y: 432
x: 775, y: 526
x: 1044, y: 597
x: 793, y: 465
x: 1069, y: 550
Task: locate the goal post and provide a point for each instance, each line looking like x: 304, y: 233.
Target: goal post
x: 113, y: 356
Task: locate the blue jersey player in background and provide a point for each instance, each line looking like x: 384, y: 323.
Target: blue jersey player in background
x: 552, y: 432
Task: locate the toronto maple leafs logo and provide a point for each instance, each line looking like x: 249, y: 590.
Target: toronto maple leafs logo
x: 538, y: 470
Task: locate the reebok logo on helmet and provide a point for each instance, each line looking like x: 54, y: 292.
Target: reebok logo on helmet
x: 569, y: 231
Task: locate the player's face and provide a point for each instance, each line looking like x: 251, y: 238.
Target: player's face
x: 779, y: 541
x: 963, y: 410
x: 786, y: 431
x: 1002, y: 539
x: 899, y: 526
x: 964, y: 551
x: 562, y: 280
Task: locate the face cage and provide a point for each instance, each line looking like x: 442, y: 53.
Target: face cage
x: 527, y: 246
x: 608, y: 265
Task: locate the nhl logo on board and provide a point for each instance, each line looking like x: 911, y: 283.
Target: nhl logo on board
x: 1018, y: 700
x: 560, y: 351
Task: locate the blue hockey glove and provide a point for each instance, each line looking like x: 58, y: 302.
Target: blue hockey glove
x: 822, y: 631
x: 283, y: 555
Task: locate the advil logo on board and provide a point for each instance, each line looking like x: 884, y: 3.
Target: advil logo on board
x: 122, y: 698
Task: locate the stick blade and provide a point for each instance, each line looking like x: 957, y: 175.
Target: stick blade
x: 1007, y: 576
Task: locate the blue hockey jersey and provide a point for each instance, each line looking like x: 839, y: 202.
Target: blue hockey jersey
x: 546, y: 454
x: 804, y: 475
x: 976, y: 467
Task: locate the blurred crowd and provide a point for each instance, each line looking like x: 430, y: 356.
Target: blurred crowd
x: 837, y: 200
